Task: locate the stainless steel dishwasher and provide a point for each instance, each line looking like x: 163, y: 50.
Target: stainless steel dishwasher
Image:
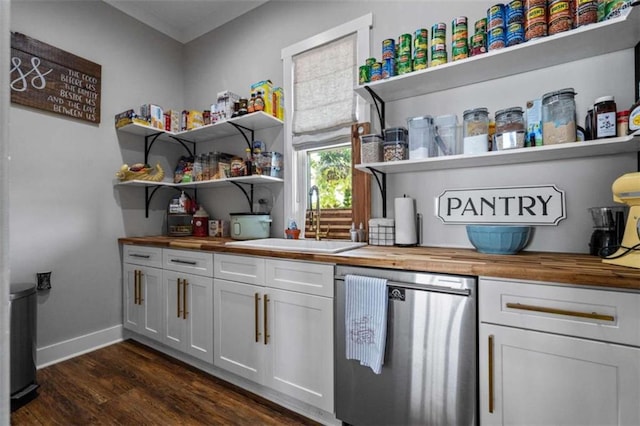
x: 430, y: 371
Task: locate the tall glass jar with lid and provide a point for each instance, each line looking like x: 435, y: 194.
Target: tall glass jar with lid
x: 559, y: 117
x: 475, y: 131
x: 510, y: 129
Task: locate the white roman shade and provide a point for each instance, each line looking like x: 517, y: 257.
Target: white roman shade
x: 324, y: 100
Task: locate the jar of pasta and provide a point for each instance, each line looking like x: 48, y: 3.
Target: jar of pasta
x: 559, y: 117
x: 475, y: 131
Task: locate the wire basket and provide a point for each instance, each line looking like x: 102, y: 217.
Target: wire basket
x: 382, y: 232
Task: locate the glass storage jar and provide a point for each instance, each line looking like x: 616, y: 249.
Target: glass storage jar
x: 475, y: 130
x: 370, y: 148
x: 421, y: 137
x: 510, y: 129
x: 395, y: 145
x: 559, y: 117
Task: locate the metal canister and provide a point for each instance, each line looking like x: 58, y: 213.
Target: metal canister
x: 460, y: 50
x: 459, y: 29
x: 388, y: 49
x: 404, y: 45
x: 376, y: 71
x: 535, y: 19
x: 438, y: 54
x: 388, y: 67
x: 404, y: 64
x: 364, y: 74
x: 496, y: 39
x: 586, y: 12
x: 419, y: 59
x: 559, y: 16
x: 480, y: 26
x: 515, y: 34
x: 478, y: 44
x: 514, y: 12
x: 438, y: 34
x: 420, y: 40
x: 495, y: 16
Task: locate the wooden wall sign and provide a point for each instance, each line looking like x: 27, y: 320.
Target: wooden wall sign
x: 518, y: 205
x: 50, y: 79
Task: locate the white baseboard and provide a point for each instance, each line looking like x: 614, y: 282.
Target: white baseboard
x: 61, y: 351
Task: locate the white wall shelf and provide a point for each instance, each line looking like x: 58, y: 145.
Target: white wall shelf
x: 255, y: 179
x: 583, y: 42
x: 564, y: 151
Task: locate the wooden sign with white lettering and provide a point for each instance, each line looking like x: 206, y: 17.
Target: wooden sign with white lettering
x: 517, y: 205
x: 50, y: 79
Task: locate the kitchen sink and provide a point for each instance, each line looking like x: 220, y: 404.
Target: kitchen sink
x: 301, y: 245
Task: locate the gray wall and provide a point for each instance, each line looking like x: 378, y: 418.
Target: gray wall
x: 66, y: 215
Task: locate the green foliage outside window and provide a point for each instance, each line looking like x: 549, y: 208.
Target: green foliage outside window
x: 330, y: 171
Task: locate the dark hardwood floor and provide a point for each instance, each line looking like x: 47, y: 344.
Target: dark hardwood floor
x: 131, y: 384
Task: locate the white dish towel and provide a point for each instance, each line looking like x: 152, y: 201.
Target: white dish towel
x: 366, y: 303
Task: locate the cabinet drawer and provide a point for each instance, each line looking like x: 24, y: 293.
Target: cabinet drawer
x: 606, y: 315
x: 190, y: 262
x: 303, y: 277
x: 141, y: 255
x: 245, y: 269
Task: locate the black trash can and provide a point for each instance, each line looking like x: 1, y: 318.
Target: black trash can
x: 22, y: 311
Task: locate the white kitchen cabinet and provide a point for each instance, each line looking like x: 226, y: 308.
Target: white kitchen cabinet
x: 143, y: 292
x: 282, y: 339
x: 553, y: 354
x: 143, y: 300
x: 188, y: 305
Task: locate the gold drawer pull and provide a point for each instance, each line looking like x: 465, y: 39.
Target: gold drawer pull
x: 590, y: 315
x: 491, y: 391
x: 256, y: 298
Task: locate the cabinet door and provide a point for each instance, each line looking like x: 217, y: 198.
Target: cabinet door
x: 151, y: 318
x: 299, y: 358
x: 176, y: 329
x: 539, y: 378
x: 238, y: 333
x: 132, y: 309
x: 199, y: 317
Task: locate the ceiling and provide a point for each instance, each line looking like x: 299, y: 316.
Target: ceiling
x: 185, y: 20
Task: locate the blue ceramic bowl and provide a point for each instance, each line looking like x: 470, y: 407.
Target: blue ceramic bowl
x: 499, y: 239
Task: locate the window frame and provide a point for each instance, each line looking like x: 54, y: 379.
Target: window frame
x: 295, y: 171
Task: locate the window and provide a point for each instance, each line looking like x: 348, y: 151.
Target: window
x: 321, y: 109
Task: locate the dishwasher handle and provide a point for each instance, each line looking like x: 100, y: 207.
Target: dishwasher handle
x: 422, y: 287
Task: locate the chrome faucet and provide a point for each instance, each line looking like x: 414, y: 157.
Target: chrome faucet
x: 315, y: 217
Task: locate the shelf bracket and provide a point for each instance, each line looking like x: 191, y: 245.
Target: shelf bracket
x: 190, y: 151
x: 248, y: 196
x: 149, y: 140
x: 379, y: 103
x: 147, y: 198
x: 242, y: 130
x: 382, y: 185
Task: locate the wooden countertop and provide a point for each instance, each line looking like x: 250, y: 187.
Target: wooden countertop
x: 579, y: 269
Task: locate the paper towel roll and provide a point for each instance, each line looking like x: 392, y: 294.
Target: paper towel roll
x: 405, y: 209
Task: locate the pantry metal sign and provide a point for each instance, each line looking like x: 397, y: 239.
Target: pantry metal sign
x: 50, y: 79
x: 521, y: 205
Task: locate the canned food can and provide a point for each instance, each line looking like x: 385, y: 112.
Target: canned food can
x: 438, y: 33
x: 364, y: 75
x: 608, y: 9
x: 480, y: 26
x: 460, y: 50
x: 388, y: 67
x: 535, y: 19
x: 586, y: 12
x: 404, y: 64
x: 496, y: 39
x: 404, y: 45
x: 514, y: 12
x: 438, y: 55
x: 420, y: 38
x: 370, y: 61
x: 388, y: 49
x: 515, y: 34
x: 478, y: 44
x: 459, y: 29
x: 495, y: 16
x: 419, y: 59
x: 560, y: 17
x: 376, y: 71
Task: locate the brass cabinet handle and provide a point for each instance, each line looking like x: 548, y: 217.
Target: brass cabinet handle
x: 185, y: 283
x: 256, y: 299
x: 590, y: 315
x: 140, y: 299
x: 491, y: 395
x: 178, y: 296
x: 135, y: 287
x: 266, y: 334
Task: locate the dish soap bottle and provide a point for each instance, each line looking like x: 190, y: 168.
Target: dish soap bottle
x: 634, y: 117
x: 353, y: 232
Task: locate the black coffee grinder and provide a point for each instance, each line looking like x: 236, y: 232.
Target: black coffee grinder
x: 608, y: 227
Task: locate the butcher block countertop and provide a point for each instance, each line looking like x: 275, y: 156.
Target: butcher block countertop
x: 580, y: 269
